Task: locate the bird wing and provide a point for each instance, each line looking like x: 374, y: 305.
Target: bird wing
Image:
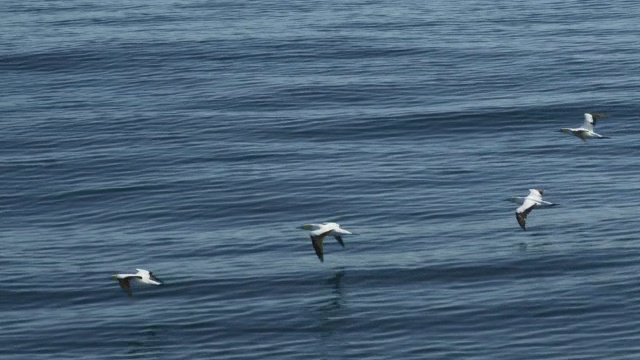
x: 339, y: 238
x: 523, y: 211
x: 599, y: 136
x: 589, y: 122
x: 544, y: 204
x: 310, y: 227
x: 534, y: 195
x: 516, y: 199
x: 317, y: 240
x: 125, y: 284
x: 594, y: 118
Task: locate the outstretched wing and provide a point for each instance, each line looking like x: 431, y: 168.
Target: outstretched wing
x: 600, y: 136
x: 317, y: 240
x: 339, y: 238
x: 545, y: 204
x: 125, y: 284
x: 523, y: 211
x: 310, y: 227
x: 589, y: 122
x: 516, y: 199
x: 535, y: 195
x: 591, y: 118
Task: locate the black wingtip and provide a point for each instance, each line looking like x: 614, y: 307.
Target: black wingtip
x: 317, y: 246
x: 521, y: 220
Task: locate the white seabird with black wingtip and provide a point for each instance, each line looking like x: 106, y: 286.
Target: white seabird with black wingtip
x: 586, y: 130
x: 142, y: 276
x: 534, y: 199
x: 320, y: 231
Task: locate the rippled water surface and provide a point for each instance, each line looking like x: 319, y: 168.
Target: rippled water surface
x: 193, y: 138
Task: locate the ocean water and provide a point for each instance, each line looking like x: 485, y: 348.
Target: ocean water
x: 192, y: 138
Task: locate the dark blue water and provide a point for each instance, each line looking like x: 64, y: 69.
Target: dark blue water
x: 192, y: 138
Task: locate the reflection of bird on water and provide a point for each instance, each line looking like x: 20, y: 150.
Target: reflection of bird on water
x: 333, y: 319
x: 141, y: 341
x: 336, y: 281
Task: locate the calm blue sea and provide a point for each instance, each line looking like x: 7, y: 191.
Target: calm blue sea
x: 193, y: 137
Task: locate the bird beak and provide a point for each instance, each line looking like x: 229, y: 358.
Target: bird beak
x: 346, y: 232
x: 159, y: 282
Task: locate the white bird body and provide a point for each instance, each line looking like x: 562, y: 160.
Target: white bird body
x: 534, y: 199
x: 586, y: 130
x: 142, y: 277
x: 319, y: 231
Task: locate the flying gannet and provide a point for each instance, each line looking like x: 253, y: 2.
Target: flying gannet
x: 586, y: 130
x: 142, y: 276
x: 320, y: 231
x: 534, y: 199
